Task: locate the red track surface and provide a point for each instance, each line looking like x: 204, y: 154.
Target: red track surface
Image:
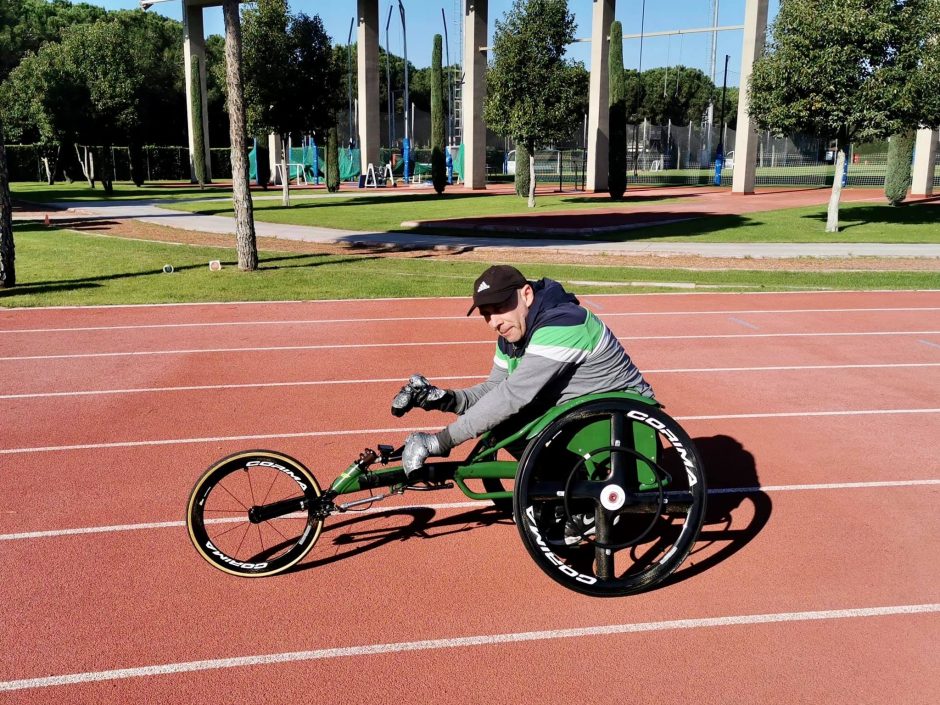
x: 818, y: 588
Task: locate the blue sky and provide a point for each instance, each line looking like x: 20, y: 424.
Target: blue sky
x: 423, y: 18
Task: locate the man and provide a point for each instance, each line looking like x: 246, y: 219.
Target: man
x: 550, y: 349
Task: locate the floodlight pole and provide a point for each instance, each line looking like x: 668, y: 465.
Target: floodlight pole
x: 406, y: 143
x: 352, y: 20
x: 388, y: 80
x: 720, y: 152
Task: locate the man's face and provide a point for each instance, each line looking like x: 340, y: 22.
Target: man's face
x: 508, y: 318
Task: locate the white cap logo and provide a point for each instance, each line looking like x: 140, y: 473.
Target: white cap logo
x: 483, y: 287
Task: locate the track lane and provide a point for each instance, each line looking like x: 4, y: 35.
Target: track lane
x: 144, y: 587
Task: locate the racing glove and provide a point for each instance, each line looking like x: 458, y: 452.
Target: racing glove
x: 419, y: 392
x: 421, y: 446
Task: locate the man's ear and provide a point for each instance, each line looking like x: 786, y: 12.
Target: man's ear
x: 528, y: 294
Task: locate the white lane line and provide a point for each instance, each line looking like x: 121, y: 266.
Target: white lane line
x: 377, y: 319
x: 328, y: 382
x: 402, y: 430
x: 466, y: 642
x: 350, y: 346
x: 53, y: 533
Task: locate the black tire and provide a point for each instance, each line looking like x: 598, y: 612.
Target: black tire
x: 643, y: 532
x: 219, y: 505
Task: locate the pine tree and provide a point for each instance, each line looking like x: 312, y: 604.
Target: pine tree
x: 617, y: 159
x: 199, y: 137
x: 898, y: 172
x: 332, y: 161
x: 438, y: 162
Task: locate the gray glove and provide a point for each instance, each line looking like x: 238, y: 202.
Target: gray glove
x: 418, y: 448
x: 419, y: 392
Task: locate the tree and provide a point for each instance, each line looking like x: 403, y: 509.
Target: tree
x: 848, y: 70
x: 617, y: 100
x: 438, y: 162
x: 533, y: 95
x: 332, y: 161
x: 7, y: 248
x: 245, y: 242
x: 291, y: 80
x: 199, y: 137
x: 522, y: 177
x: 898, y: 171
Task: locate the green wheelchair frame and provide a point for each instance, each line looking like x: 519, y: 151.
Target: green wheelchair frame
x: 599, y: 458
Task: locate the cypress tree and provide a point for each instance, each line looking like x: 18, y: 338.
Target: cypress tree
x: 617, y: 157
x: 522, y: 170
x: 438, y: 162
x: 332, y: 161
x: 199, y: 138
x: 898, y: 172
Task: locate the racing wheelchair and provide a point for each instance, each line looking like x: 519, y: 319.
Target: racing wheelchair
x: 615, y: 461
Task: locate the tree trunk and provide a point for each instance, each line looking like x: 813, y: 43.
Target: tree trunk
x: 7, y: 249
x: 285, y: 174
x: 832, y: 221
x: 532, y: 178
x: 244, y: 213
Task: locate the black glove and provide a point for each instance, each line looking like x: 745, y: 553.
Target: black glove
x: 419, y: 392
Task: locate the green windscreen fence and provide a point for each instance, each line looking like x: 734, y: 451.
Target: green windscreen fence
x: 307, y: 166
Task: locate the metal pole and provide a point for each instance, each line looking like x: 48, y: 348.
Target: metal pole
x: 720, y: 153
x: 388, y: 82
x: 352, y: 20
x: 639, y: 78
x: 450, y: 84
x: 406, y: 145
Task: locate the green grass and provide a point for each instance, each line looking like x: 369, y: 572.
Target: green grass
x: 60, y: 267
x: 387, y: 213
x: 859, y: 222
x: 79, y: 191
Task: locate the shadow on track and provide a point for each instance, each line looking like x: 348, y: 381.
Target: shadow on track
x: 737, y: 508
x: 353, y: 536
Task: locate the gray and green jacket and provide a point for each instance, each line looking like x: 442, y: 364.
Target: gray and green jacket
x: 566, y: 352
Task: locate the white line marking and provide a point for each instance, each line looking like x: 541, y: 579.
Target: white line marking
x: 328, y: 382
x: 347, y: 346
x: 466, y: 642
x: 930, y: 343
x: 53, y: 533
x: 368, y: 431
x: 425, y: 299
x: 314, y: 321
x: 742, y: 322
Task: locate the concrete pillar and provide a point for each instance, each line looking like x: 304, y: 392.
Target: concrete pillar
x: 598, y: 139
x: 746, y: 138
x: 367, y: 53
x: 925, y: 156
x: 194, y: 46
x: 474, y: 91
x: 274, y: 157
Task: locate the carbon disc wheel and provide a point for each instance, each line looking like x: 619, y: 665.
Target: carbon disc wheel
x: 610, y: 498
x: 254, y: 513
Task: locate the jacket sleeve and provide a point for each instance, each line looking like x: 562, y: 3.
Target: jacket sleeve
x: 502, y: 399
x: 465, y: 398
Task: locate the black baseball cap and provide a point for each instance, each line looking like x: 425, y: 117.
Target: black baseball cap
x: 496, y: 285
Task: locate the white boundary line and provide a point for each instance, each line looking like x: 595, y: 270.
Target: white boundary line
x: 838, y: 292
x: 53, y: 533
x: 215, y: 324
x: 370, y: 431
x: 328, y: 382
x: 350, y: 346
x: 466, y: 642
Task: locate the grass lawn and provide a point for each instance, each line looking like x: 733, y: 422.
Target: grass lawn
x: 61, y: 267
x: 123, y: 191
x: 386, y: 213
x: 859, y: 222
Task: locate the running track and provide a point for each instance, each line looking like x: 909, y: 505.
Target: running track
x: 816, y: 579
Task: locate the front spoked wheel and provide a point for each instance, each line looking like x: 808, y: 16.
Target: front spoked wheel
x: 610, y: 498
x: 255, y: 513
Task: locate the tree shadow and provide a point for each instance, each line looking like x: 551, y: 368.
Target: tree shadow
x: 908, y: 213
x: 736, y: 511
x: 354, y: 536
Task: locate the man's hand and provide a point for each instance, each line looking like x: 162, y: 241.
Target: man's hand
x: 418, y: 448
x: 419, y: 392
